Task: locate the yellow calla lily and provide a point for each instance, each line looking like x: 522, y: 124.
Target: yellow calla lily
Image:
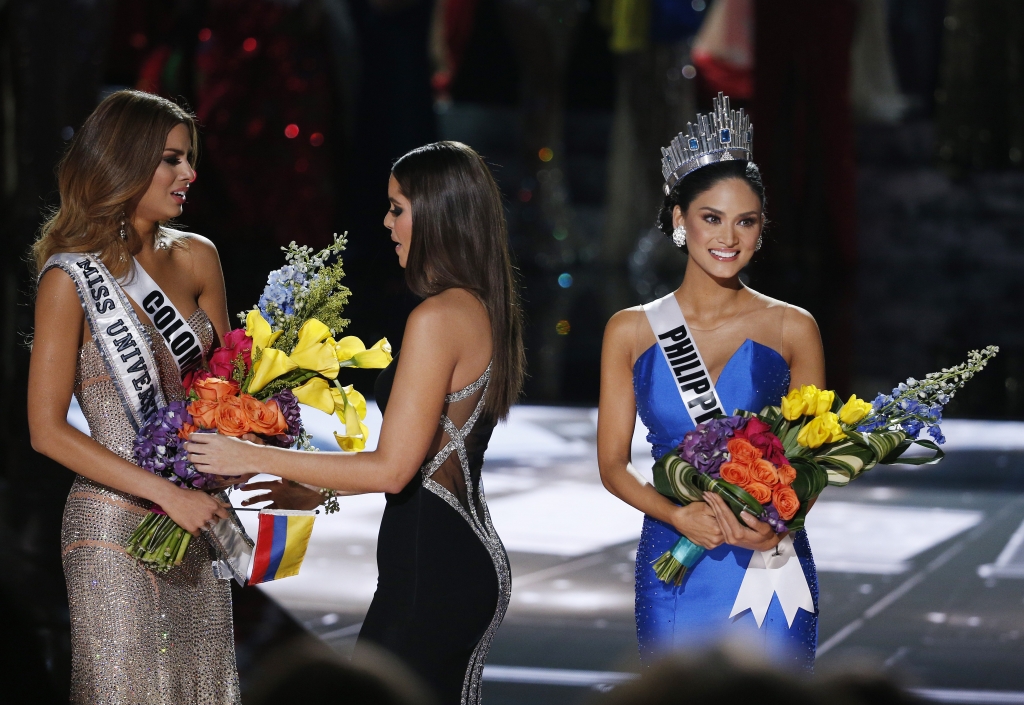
x: 315, y: 349
x: 316, y: 393
x: 345, y: 348
x: 257, y: 328
x: 348, y: 396
x: 356, y: 432
x: 271, y: 365
x: 376, y: 358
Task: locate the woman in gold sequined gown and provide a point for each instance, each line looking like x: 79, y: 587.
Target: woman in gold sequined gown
x: 138, y: 637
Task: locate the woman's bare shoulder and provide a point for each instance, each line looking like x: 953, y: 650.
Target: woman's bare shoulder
x: 628, y: 332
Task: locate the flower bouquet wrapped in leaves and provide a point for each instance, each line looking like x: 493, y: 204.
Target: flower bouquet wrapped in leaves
x: 287, y: 354
x: 775, y: 463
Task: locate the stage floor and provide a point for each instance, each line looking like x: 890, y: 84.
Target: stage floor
x: 921, y: 571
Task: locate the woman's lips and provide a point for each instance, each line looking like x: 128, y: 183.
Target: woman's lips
x: 179, y: 196
x: 725, y: 255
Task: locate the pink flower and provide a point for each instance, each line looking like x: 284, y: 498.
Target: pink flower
x: 759, y: 434
x: 236, y: 344
x: 196, y: 375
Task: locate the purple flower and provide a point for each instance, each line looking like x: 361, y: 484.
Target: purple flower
x: 705, y: 446
x: 160, y: 450
x: 289, y: 406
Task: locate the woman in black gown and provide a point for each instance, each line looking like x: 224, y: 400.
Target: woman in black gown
x: 444, y: 581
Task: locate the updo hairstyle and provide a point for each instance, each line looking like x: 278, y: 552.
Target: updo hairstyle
x: 697, y: 182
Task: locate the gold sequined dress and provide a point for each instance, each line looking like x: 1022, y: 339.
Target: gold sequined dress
x: 139, y: 637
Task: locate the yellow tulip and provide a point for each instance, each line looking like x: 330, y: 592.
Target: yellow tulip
x: 257, y: 328
x: 376, y: 358
x: 830, y: 422
x: 317, y: 394
x: 356, y: 432
x: 813, y: 434
x: 315, y: 349
x: 271, y: 365
x: 854, y: 410
x: 793, y: 405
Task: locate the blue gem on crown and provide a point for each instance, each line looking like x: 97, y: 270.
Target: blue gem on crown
x: 723, y: 134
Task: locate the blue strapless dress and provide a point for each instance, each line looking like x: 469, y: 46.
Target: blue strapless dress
x: 696, y: 614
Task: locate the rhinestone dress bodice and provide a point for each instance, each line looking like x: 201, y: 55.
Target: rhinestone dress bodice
x: 139, y: 637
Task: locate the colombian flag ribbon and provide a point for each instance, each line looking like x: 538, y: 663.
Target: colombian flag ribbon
x: 280, y: 544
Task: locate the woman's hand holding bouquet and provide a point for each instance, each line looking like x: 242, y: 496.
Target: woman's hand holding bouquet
x: 251, y: 388
x: 771, y: 466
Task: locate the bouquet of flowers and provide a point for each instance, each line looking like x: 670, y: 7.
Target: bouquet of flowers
x: 286, y: 355
x: 775, y: 463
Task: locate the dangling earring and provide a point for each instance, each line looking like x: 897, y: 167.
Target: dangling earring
x: 760, y: 241
x: 679, y: 236
x: 124, y: 234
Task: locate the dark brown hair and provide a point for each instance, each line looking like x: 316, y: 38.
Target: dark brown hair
x: 105, y: 173
x: 460, y: 241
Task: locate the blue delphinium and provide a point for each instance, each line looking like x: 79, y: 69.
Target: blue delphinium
x: 916, y: 405
x: 283, y: 287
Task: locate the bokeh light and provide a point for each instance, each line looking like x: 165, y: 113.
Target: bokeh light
x: 316, y: 139
x: 560, y: 234
x: 565, y: 280
x: 525, y: 195
x: 546, y: 154
x: 562, y: 327
x: 249, y: 44
x: 205, y: 34
x: 291, y: 131
x: 689, y: 71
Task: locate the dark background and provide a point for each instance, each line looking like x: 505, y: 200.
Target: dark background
x: 890, y: 134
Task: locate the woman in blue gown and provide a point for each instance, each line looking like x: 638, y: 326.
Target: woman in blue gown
x: 755, y: 349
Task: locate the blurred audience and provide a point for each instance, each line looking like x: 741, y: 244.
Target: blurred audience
x: 307, y: 671
x: 727, y: 677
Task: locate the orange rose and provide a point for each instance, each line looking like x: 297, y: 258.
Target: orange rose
x: 785, y: 501
x: 231, y: 419
x: 215, y: 388
x: 263, y: 418
x: 204, y: 413
x: 736, y: 473
x: 764, y: 472
x: 786, y: 474
x: 759, y: 491
x: 186, y: 430
x: 742, y: 451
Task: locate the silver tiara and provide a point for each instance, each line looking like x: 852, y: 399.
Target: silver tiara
x: 717, y: 137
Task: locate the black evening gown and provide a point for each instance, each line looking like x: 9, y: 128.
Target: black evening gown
x: 444, y: 581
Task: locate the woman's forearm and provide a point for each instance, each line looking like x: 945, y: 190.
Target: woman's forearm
x: 358, y: 473
x: 642, y: 496
x: 79, y: 453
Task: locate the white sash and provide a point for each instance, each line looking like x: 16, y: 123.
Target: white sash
x: 182, y: 340
x: 692, y: 379
x: 123, y: 343
x: 775, y: 572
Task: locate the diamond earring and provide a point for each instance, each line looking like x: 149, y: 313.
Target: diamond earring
x: 760, y: 241
x: 679, y: 236
x: 124, y: 235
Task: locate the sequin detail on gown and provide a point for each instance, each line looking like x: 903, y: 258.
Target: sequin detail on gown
x: 479, y: 519
x: 139, y: 637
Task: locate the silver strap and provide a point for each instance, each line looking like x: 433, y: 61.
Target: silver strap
x: 182, y: 340
x: 123, y: 343
x: 693, y: 382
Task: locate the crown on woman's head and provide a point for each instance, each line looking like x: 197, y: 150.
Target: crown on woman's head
x: 719, y: 136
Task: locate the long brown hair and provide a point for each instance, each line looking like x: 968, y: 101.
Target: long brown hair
x: 460, y: 241
x: 104, y: 174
